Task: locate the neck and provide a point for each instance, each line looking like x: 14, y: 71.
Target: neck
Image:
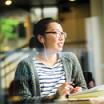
x: 48, y: 59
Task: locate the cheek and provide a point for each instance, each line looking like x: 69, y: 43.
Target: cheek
x: 52, y: 40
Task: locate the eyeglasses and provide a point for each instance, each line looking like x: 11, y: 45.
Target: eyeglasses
x: 58, y: 33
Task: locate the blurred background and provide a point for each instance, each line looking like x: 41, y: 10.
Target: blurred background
x: 82, y: 20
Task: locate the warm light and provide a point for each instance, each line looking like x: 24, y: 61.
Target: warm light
x: 72, y: 0
x: 8, y: 2
x: 6, y: 48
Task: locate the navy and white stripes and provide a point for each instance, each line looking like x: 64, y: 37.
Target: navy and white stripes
x: 50, y: 77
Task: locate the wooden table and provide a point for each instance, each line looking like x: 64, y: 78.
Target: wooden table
x: 55, y: 102
x: 99, y: 100
x: 72, y: 102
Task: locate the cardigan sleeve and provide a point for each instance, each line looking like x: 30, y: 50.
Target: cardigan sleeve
x: 77, y: 73
x: 23, y: 83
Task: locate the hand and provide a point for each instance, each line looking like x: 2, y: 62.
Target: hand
x: 76, y: 89
x: 65, y: 89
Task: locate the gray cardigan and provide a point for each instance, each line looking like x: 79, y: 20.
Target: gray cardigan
x: 26, y: 77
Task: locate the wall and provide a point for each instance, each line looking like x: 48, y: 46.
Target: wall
x: 74, y: 22
x: 95, y: 33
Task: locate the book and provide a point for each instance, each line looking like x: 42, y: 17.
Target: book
x: 87, y: 94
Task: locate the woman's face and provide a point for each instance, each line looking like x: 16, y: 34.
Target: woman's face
x: 54, y: 37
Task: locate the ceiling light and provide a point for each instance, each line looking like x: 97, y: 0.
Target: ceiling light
x: 8, y: 2
x: 72, y: 0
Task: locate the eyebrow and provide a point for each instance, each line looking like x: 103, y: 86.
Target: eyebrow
x: 54, y: 30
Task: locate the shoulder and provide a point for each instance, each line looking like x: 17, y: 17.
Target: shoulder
x: 24, y: 65
x: 68, y: 55
x: 23, y: 62
x: 26, y: 60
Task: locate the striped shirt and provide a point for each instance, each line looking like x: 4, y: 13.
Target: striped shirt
x: 50, y: 78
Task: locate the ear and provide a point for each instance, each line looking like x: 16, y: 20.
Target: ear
x: 41, y: 38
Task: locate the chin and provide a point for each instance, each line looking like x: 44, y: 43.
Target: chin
x: 60, y: 49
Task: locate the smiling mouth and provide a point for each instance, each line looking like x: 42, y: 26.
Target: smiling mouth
x: 60, y: 44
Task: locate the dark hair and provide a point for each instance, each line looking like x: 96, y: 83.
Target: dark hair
x: 39, y: 29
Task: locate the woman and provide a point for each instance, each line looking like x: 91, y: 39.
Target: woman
x: 50, y: 73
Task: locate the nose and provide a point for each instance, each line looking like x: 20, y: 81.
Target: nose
x: 61, y: 38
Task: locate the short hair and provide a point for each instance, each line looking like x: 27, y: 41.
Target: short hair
x: 39, y: 29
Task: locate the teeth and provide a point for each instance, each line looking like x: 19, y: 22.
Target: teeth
x: 60, y: 44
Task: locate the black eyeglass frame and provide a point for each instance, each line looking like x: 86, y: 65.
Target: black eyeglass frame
x: 57, y: 33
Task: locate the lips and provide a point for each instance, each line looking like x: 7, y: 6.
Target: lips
x: 60, y: 44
